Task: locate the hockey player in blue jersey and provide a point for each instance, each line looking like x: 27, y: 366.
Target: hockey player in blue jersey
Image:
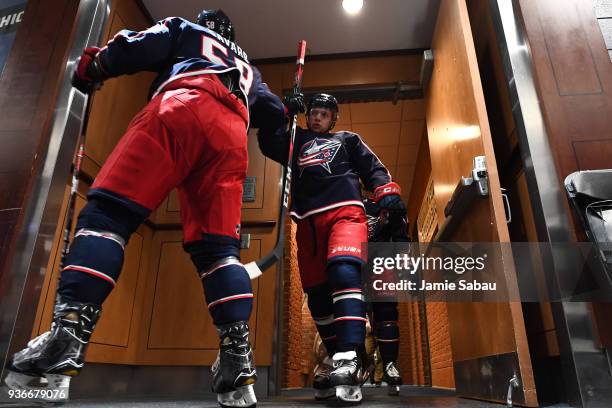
x: 384, y: 314
x: 331, y: 227
x: 192, y: 135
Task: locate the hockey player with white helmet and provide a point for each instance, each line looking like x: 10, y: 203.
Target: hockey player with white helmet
x: 192, y: 135
x: 331, y: 228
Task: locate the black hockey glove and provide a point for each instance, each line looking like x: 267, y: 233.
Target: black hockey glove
x: 294, y: 104
x: 88, y: 76
x: 388, y: 199
x: 393, y: 204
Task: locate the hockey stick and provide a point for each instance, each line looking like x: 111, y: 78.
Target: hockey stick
x: 76, y: 172
x: 255, y: 269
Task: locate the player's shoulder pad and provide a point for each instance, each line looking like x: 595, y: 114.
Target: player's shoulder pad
x: 174, y: 21
x: 346, y: 134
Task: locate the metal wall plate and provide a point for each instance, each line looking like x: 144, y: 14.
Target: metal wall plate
x: 249, y: 188
x: 488, y: 377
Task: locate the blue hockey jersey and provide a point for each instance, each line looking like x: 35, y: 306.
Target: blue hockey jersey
x: 326, y: 168
x: 176, y: 48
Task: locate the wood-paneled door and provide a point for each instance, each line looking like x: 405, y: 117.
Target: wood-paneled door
x: 488, y: 340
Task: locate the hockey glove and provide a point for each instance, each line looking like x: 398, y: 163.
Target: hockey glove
x: 88, y: 76
x: 388, y: 199
x: 294, y: 104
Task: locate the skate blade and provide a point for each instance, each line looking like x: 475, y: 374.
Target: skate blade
x: 394, y: 390
x: 367, y: 373
x: 52, y: 388
x: 321, y: 395
x: 243, y: 397
x: 349, y: 394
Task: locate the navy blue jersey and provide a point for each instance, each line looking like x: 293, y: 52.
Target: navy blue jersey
x: 176, y: 48
x: 326, y: 168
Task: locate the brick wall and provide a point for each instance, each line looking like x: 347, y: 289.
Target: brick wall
x: 413, y: 355
x: 441, y: 358
x: 309, y: 331
x: 299, y: 328
x: 292, y: 313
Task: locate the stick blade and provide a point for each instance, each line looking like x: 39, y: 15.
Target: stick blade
x: 253, y: 270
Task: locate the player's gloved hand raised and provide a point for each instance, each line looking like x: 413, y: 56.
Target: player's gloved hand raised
x: 294, y: 104
x: 388, y: 198
x: 88, y: 75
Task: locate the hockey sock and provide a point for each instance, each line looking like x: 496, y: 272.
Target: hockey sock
x: 94, y: 262
x: 349, y: 307
x: 228, y: 291
x: 386, y: 330
x: 92, y: 267
x: 226, y: 283
x: 387, y: 337
x: 322, y: 311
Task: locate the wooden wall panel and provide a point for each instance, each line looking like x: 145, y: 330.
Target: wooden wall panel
x: 593, y: 155
x: 378, y: 134
x: 176, y: 327
x: 374, y: 112
x: 257, y: 169
x: 567, y: 45
x: 413, y: 109
x: 349, y: 71
x: 179, y: 319
x: 458, y: 130
x: 575, y: 118
x: 335, y: 72
x: 578, y: 125
x: 412, y: 130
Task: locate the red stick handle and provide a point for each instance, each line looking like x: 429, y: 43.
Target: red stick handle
x: 299, y: 69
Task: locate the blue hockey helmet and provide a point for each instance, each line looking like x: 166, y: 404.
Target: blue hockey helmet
x: 217, y: 21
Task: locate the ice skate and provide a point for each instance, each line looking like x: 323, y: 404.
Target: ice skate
x: 321, y: 382
x: 392, y: 378
x: 46, y: 366
x: 347, y: 377
x: 233, y: 371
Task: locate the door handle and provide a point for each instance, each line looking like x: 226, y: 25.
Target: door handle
x: 507, y: 209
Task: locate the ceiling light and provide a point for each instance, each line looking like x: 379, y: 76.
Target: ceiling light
x: 352, y: 6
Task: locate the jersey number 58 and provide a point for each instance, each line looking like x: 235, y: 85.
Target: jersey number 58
x: 209, y: 45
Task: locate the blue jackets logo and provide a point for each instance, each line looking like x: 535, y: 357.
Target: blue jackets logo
x: 318, y: 152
